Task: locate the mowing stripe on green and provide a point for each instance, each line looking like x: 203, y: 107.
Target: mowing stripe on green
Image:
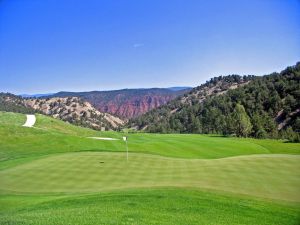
x: 268, y: 176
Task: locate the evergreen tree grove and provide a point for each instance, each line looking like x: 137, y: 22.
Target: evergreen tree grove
x: 242, y: 122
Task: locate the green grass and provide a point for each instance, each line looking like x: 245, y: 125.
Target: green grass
x: 54, y: 136
x: 149, y: 206
x: 54, y: 174
x: 95, y: 172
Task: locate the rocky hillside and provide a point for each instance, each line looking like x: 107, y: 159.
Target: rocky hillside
x: 214, y: 87
x: 76, y: 111
x: 267, y: 106
x: 71, y: 109
x: 127, y: 103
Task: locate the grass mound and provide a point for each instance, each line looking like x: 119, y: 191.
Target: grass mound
x: 149, y: 206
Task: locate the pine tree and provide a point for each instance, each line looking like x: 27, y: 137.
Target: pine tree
x: 243, y: 125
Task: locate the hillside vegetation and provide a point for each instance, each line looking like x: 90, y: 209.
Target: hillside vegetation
x: 261, y: 107
x: 13, y: 103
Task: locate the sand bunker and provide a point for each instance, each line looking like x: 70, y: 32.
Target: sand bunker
x: 104, y: 138
x: 30, y: 121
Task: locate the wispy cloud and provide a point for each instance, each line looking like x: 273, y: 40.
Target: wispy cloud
x: 138, y: 45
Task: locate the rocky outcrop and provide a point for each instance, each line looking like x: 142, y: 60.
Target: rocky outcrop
x: 134, y: 106
x: 76, y: 111
x: 127, y: 103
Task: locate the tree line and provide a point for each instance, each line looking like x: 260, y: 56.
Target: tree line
x: 266, y: 107
x: 14, y: 103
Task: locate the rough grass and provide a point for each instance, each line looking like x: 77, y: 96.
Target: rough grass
x: 54, y: 174
x: 148, y: 206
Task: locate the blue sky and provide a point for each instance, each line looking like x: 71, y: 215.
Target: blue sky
x: 53, y: 45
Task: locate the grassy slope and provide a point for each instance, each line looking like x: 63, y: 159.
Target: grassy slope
x: 54, y: 136
x: 30, y: 163
x: 149, y: 206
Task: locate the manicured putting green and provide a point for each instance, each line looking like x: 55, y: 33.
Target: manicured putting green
x: 267, y: 176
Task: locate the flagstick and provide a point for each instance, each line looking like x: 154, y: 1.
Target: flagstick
x: 127, y: 150
x: 125, y: 139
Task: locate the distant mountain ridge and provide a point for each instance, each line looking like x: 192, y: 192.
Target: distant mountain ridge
x: 179, y: 88
x: 127, y: 103
x: 35, y: 95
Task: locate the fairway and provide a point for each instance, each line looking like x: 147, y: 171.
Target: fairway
x: 53, y: 136
x: 54, y: 174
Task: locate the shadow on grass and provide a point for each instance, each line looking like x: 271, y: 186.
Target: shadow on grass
x: 289, y: 141
x: 98, y: 150
x: 220, y: 136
